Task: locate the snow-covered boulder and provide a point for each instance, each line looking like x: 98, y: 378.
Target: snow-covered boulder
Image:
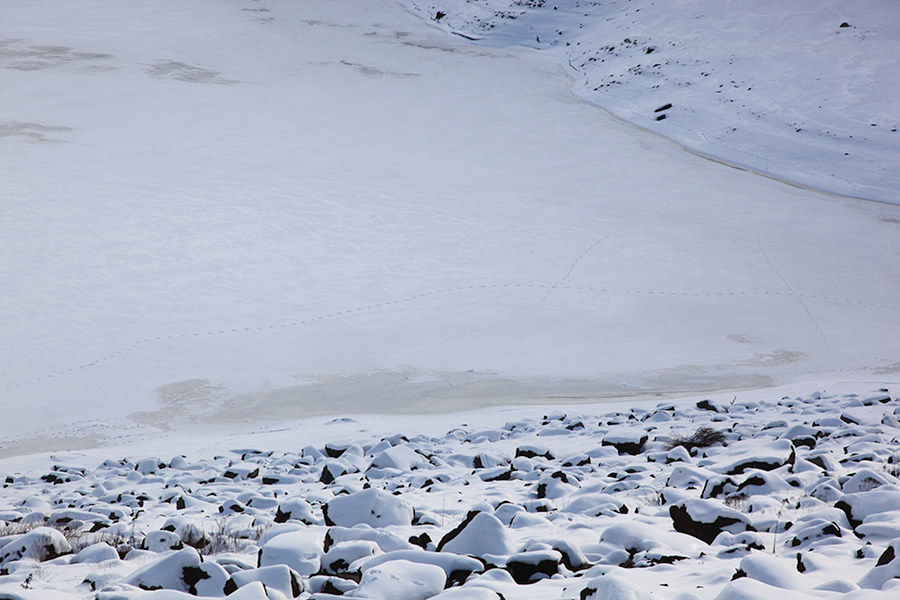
x: 372, y: 507
x: 468, y: 593
x: 178, y: 570
x: 242, y: 471
x: 645, y: 545
x: 573, y: 557
x: 626, y: 439
x: 40, y: 544
x: 398, y: 579
x: 253, y: 591
x: 860, y: 506
x: 528, y: 567
x: 595, y: 504
x: 811, y: 528
x: 95, y: 553
x: 480, y: 534
x: 341, y: 555
x: 706, y: 519
x: 611, y: 587
x: 280, y: 578
x: 296, y: 509
x: 386, y: 540
x: 162, y: 541
x: 756, y: 482
x: 400, y: 457
x: 765, y: 456
x: 301, y: 550
x: 771, y: 570
x: 866, y: 480
x: 886, y: 569
x: 211, y: 579
x: 745, y: 588
x: 457, y: 567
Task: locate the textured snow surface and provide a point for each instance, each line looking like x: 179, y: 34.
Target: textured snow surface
x: 222, y: 213
x: 805, y: 91
x: 821, y: 524
x: 226, y: 223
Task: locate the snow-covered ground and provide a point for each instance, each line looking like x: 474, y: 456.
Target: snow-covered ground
x: 275, y: 225
x: 283, y: 209
x: 765, y: 495
x: 806, y: 91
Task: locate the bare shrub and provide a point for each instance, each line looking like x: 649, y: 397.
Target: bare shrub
x: 225, y: 539
x: 736, y: 501
x: 701, y: 438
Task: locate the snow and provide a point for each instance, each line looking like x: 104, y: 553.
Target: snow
x: 325, y: 208
x: 797, y: 92
x: 324, y: 300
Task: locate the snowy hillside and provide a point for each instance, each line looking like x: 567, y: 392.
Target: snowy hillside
x: 807, y: 91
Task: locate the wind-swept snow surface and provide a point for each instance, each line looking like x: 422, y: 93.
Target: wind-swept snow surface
x: 807, y: 91
x: 224, y: 211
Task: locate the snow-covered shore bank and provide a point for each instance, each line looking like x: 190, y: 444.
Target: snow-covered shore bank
x: 806, y: 92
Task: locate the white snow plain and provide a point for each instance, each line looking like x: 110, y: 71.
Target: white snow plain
x: 224, y: 223
x: 214, y: 210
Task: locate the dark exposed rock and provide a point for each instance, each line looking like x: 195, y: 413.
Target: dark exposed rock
x: 728, y: 520
x: 707, y: 405
x: 529, y: 567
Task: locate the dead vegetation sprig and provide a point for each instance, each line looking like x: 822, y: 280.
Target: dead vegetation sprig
x: 701, y: 438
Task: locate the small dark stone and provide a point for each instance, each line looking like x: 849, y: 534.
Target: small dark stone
x: 192, y: 576
x: 849, y: 420
x: 458, y: 577
x: 707, y: 532
x: 707, y: 405
x: 230, y: 587
x: 660, y: 109
x: 532, y: 454
x: 504, y: 476
x: 845, y: 24
x: 754, y: 480
x: 334, y: 451
x: 848, y: 510
x: 524, y: 573
x: 886, y: 557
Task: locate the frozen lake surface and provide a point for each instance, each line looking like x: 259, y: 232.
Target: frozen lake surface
x: 215, y: 212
